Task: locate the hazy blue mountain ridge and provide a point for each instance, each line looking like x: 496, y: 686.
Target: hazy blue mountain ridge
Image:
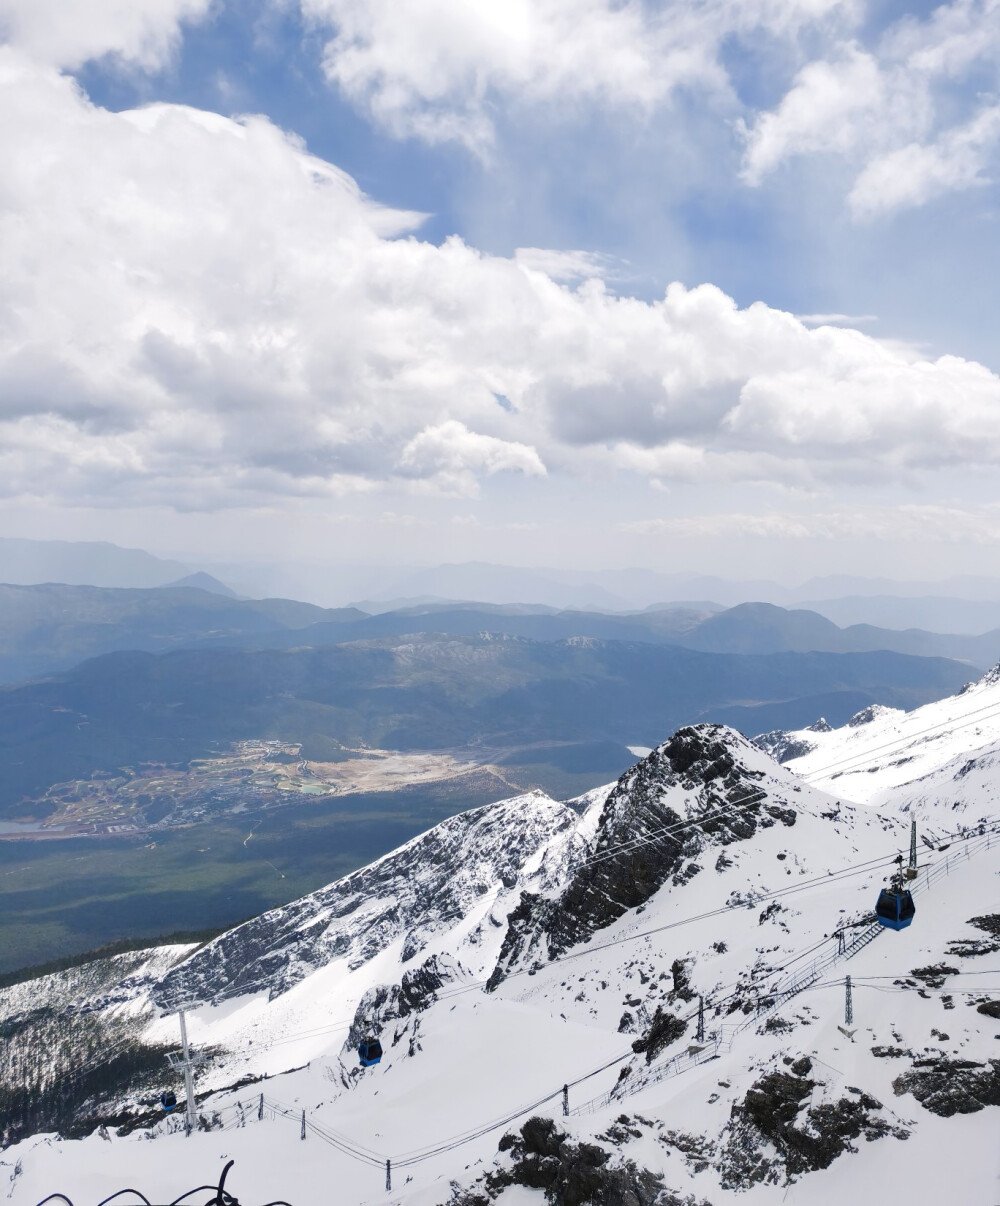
x: 422, y: 693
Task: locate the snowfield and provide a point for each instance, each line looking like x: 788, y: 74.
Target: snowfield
x: 534, y: 944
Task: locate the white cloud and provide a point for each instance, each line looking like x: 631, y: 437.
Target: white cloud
x: 564, y: 265
x: 916, y: 173
x: 826, y: 109
x: 450, y: 455
x: 141, y: 32
x: 196, y: 312
x: 837, y: 320
x: 434, y: 68
x: 907, y: 115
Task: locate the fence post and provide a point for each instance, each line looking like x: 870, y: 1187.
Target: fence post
x: 565, y: 1101
x: 260, y: 1108
x: 388, y: 1176
x: 302, y: 1132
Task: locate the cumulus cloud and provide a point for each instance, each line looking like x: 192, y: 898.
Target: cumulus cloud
x: 907, y: 115
x: 434, y: 68
x: 141, y: 32
x: 450, y: 455
x: 196, y: 311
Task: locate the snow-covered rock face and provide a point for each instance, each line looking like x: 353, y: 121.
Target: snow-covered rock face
x: 705, y: 787
x: 459, y: 869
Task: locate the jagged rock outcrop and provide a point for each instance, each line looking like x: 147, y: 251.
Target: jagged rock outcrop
x: 780, y: 1131
x: 951, y: 1086
x: 570, y: 1174
x: 783, y: 746
x: 640, y: 843
x: 387, y: 1003
x: 664, y: 1029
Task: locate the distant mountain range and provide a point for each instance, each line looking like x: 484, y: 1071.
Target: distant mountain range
x: 84, y: 563
x: 49, y: 628
x: 52, y: 627
x: 969, y: 604
x: 489, y: 693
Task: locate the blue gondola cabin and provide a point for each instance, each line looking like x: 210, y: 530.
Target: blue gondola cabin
x: 895, y: 908
x: 369, y: 1052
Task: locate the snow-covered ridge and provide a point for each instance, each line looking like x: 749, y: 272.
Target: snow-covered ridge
x: 881, y: 752
x: 460, y: 870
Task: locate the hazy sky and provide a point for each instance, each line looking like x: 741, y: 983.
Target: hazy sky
x: 692, y: 285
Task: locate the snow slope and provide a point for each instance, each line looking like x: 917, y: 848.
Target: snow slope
x: 530, y: 944
x: 881, y: 749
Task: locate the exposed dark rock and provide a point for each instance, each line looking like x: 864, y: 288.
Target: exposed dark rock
x: 935, y: 976
x: 783, y: 746
x: 990, y: 945
x: 775, y: 1134
x: 680, y: 970
x: 867, y: 715
x: 570, y: 1174
x: 951, y: 1086
x: 700, y: 760
x: 990, y: 1008
x: 387, y: 1003
x: 620, y: 1131
x: 664, y: 1029
x: 698, y: 1150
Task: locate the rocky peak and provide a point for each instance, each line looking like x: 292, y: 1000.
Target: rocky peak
x: 867, y: 715
x: 783, y: 746
x: 640, y: 845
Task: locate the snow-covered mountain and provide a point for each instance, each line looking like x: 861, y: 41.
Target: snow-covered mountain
x: 939, y: 755
x: 672, y: 949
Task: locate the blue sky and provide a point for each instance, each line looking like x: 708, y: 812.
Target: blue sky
x: 206, y: 337
x: 664, y: 201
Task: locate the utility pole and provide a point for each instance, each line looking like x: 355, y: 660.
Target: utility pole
x: 841, y: 943
x: 388, y: 1176
x: 848, y: 1002
x: 701, y: 1019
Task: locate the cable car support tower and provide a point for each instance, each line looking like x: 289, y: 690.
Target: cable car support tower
x: 185, y: 1062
